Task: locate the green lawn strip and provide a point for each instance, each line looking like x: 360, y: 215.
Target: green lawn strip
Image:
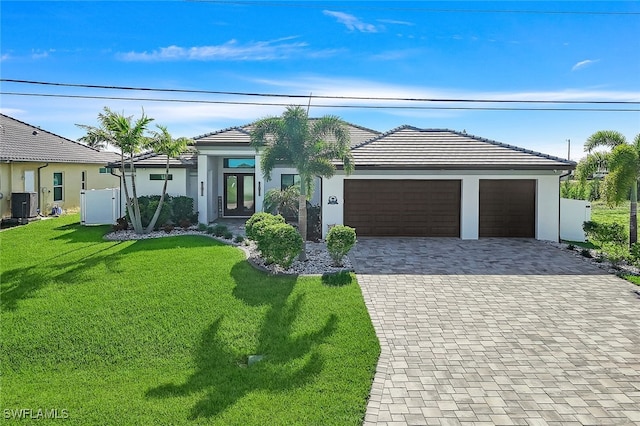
x: 159, y: 330
x: 635, y: 279
x: 603, y: 214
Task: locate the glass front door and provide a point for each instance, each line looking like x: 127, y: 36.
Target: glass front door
x: 239, y: 197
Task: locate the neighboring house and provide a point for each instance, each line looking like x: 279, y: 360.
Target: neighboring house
x: 53, y: 167
x: 407, y: 182
x: 150, y: 170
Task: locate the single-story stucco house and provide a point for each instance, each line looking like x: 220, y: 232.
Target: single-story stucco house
x: 150, y: 170
x: 51, y: 168
x: 407, y: 182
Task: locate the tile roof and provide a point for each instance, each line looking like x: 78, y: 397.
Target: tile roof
x: 150, y: 159
x: 241, y: 135
x: 20, y: 141
x: 408, y: 147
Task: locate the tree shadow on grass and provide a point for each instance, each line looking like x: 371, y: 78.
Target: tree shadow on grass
x: 291, y: 360
x: 338, y: 279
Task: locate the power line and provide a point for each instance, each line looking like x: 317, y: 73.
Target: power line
x: 413, y: 107
x: 296, y: 96
x: 317, y: 5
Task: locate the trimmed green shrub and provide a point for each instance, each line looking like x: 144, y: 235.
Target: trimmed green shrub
x: 228, y: 235
x: 255, y: 220
x: 202, y: 227
x: 219, y: 230
x: 613, y: 233
x: 238, y: 239
x: 340, y: 240
x: 210, y: 230
x: 182, y: 209
x: 148, y: 206
x: 280, y: 243
x: 615, y: 254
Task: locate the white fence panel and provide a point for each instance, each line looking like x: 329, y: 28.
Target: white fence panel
x: 573, y: 213
x: 100, y: 206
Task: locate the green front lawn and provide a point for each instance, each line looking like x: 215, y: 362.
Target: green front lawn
x: 159, y: 331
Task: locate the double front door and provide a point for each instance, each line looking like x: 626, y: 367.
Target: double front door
x: 239, y: 197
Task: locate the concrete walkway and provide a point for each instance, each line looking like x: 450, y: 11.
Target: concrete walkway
x: 498, y: 332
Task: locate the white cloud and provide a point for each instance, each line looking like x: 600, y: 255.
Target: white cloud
x: 40, y: 54
x: 584, y: 64
x: 5, y: 57
x: 230, y: 51
x: 351, y: 22
x: 394, y: 22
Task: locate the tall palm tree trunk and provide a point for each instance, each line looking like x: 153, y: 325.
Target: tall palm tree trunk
x: 633, y: 215
x: 302, y: 219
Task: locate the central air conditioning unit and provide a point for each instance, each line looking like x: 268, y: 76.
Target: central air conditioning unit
x: 24, y: 205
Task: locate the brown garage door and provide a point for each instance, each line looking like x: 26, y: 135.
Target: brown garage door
x: 507, y: 208
x: 425, y: 208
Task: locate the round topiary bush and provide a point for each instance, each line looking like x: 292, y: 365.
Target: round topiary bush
x: 256, y: 219
x: 340, y: 240
x: 280, y: 243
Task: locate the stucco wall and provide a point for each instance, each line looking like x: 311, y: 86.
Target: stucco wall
x: 12, y: 180
x: 145, y: 186
x: 547, y: 197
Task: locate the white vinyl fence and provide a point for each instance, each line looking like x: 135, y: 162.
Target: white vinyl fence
x: 100, y: 206
x: 573, y: 213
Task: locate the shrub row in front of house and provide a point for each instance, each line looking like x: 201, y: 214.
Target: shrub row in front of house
x: 280, y: 243
x: 176, y: 211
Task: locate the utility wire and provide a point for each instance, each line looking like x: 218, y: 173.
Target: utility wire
x: 351, y: 5
x: 414, y: 107
x: 294, y: 96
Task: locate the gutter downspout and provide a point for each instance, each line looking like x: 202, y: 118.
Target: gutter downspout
x: 40, y: 189
x: 120, y: 193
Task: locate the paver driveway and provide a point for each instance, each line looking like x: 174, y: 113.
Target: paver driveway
x: 498, y: 332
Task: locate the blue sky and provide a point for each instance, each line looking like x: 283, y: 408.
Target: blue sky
x: 562, y: 51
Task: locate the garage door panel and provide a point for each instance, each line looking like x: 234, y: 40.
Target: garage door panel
x: 403, y: 207
x: 507, y: 208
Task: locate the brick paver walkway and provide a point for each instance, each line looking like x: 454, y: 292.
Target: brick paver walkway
x: 498, y: 332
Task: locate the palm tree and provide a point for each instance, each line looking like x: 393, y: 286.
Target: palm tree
x: 623, y: 165
x: 164, y: 144
x: 311, y: 146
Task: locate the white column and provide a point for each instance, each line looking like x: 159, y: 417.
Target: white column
x: 202, y: 190
x: 470, y: 208
x: 260, y: 183
x: 548, y: 208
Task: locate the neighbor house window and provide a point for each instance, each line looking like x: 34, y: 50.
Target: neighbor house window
x: 239, y: 163
x: 83, y: 180
x: 104, y: 170
x: 156, y: 176
x: 57, y: 187
x: 287, y: 181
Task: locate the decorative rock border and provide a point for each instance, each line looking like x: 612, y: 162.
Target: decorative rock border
x: 319, y: 262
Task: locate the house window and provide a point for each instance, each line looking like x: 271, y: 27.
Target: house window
x: 239, y: 163
x: 157, y: 176
x: 57, y: 186
x: 104, y: 170
x: 287, y: 181
x: 83, y: 180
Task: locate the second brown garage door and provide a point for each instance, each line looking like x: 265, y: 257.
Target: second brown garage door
x: 507, y: 208
x: 425, y: 208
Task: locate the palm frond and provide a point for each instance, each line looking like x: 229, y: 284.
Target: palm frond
x: 605, y: 139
